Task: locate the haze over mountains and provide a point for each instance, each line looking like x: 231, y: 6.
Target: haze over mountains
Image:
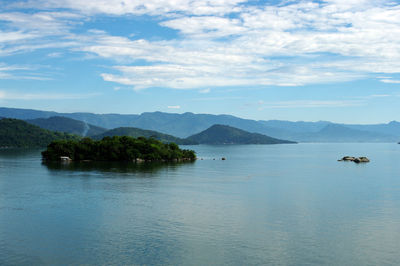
x: 137, y: 132
x: 69, y: 125
x: 83, y: 129
x: 187, y: 124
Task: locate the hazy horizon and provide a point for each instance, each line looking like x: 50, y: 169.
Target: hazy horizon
x: 181, y: 113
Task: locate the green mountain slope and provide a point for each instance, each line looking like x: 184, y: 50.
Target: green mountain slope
x: 137, y: 132
x: 18, y: 133
x: 221, y: 134
x: 68, y: 125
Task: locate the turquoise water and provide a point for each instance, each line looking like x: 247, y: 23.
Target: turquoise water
x: 266, y: 204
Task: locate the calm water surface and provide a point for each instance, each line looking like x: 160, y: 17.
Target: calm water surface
x: 266, y: 204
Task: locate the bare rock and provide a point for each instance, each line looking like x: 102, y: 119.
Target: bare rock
x: 348, y: 158
x: 355, y: 159
x: 361, y: 160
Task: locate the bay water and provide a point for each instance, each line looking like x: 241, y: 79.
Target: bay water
x: 264, y: 204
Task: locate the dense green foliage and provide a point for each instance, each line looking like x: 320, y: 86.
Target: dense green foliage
x: 117, y: 149
x: 221, y: 134
x: 18, y: 133
x: 137, y: 132
x: 68, y: 125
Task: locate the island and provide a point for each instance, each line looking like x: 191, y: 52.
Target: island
x: 116, y: 148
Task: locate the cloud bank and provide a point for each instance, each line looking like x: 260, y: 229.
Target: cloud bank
x: 218, y: 43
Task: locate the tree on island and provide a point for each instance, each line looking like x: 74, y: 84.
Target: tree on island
x: 116, y: 149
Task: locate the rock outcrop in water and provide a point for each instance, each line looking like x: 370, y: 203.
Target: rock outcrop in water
x: 361, y: 160
x: 355, y: 159
x: 348, y: 158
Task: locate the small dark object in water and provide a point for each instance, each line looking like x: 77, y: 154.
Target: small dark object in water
x: 223, y: 158
x: 348, y: 158
x: 355, y: 159
x: 361, y: 160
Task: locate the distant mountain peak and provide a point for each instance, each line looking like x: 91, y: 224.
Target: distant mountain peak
x: 224, y: 134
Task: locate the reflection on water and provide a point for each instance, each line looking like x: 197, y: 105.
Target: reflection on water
x: 114, y: 167
x: 265, y: 204
x: 13, y: 153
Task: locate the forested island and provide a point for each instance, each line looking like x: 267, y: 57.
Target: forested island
x: 116, y: 148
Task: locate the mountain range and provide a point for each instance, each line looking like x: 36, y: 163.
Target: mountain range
x: 187, y: 124
x: 20, y: 133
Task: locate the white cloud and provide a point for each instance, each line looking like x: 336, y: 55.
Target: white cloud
x: 138, y: 7
x: 204, y: 91
x: 222, y: 43
x: 54, y: 55
x: 26, y: 32
x: 223, y: 98
x: 352, y: 102
x: 5, y: 70
x: 21, y: 72
x: 15, y: 36
x: 174, y: 107
x: 4, y: 95
x: 206, y: 26
x: 363, y: 38
x: 393, y: 81
x: 197, y: 76
x: 379, y: 96
x: 310, y: 104
x: 42, y: 22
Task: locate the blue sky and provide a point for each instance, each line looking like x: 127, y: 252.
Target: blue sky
x: 336, y: 60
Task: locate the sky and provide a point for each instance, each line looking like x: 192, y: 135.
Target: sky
x: 335, y: 60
